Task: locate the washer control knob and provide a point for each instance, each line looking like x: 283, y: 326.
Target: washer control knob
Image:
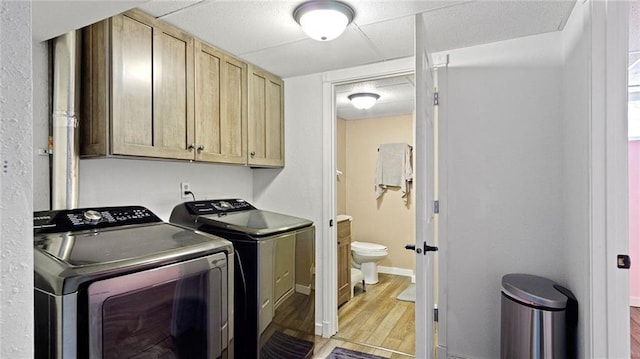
x: 92, y: 217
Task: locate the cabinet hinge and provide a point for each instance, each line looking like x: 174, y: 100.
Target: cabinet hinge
x: 436, y: 206
x: 435, y: 98
x: 435, y: 314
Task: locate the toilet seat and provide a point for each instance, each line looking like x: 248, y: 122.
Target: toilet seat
x: 368, y: 247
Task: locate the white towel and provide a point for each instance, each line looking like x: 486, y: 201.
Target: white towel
x: 393, y: 168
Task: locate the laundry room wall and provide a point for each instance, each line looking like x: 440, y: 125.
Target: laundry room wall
x: 16, y: 192
x: 156, y: 184
x: 503, y: 111
x: 576, y: 94
x: 387, y: 220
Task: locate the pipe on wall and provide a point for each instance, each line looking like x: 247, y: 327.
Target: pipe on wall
x: 66, y: 102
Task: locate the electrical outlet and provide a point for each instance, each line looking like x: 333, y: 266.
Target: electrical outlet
x: 185, y: 187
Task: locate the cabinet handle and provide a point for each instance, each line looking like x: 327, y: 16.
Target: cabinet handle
x: 200, y: 148
x: 191, y: 146
x: 252, y: 154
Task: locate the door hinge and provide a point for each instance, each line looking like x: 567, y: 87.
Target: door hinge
x: 435, y: 314
x: 436, y: 206
x: 435, y: 98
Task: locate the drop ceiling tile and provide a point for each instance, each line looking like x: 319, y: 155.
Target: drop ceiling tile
x: 392, y: 38
x: 484, y: 22
x: 310, y: 56
x: 373, y: 11
x: 379, y: 110
x: 159, y: 8
x: 240, y: 26
x: 396, y: 97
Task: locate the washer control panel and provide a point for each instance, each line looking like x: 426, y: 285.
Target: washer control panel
x: 218, y: 206
x: 68, y: 220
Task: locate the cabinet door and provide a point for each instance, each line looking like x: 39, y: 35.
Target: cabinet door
x: 344, y: 262
x: 266, y: 119
x: 284, y: 263
x: 152, y: 88
x: 220, y: 104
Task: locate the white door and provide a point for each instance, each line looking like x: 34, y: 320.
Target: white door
x: 424, y: 194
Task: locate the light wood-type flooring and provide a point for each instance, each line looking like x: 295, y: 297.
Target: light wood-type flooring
x: 635, y: 333
x: 376, y: 320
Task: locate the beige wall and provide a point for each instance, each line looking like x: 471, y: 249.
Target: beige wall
x: 341, y: 165
x: 387, y: 221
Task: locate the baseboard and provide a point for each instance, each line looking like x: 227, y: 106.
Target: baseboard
x: 318, y: 329
x: 396, y: 271
x: 634, y: 301
x: 304, y: 289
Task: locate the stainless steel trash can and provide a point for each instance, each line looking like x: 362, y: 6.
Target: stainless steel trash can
x: 538, y: 320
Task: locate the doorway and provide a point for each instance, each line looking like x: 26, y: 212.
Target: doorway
x: 383, y: 316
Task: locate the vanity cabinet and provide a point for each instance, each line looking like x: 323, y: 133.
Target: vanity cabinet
x: 220, y: 103
x: 266, y: 119
x: 344, y: 261
x: 138, y: 79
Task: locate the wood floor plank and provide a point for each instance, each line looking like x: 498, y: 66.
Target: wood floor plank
x: 376, y: 317
x: 635, y: 332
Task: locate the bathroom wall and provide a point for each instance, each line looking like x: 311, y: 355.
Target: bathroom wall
x: 388, y: 221
x: 341, y: 165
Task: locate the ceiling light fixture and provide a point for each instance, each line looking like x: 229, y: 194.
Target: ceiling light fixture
x: 323, y: 20
x: 363, y: 100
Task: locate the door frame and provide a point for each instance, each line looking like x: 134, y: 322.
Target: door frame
x: 327, y: 278
x: 609, y: 179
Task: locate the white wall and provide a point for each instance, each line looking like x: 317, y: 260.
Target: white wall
x: 156, y: 184
x: 504, y: 183
x: 41, y: 117
x: 297, y: 188
x: 575, y: 163
x: 16, y: 236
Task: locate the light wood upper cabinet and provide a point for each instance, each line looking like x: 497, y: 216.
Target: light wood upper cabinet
x: 220, y: 102
x: 266, y: 119
x: 152, y: 90
x: 147, y: 76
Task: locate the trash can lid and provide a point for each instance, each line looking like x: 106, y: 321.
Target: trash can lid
x: 533, y: 290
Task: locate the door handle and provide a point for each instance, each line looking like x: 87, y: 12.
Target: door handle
x: 428, y: 248
x: 425, y: 249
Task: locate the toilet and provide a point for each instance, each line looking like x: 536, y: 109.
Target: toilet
x: 365, y: 256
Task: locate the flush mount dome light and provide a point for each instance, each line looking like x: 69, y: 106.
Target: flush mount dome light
x: 363, y: 100
x: 323, y: 20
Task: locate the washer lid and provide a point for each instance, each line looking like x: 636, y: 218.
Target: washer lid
x: 64, y: 261
x: 254, y: 222
x: 366, y: 246
x: 533, y: 290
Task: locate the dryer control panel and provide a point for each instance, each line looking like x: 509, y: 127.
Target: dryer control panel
x: 68, y: 220
x: 218, y: 206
